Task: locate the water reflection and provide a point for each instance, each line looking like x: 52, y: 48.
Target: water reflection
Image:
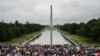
x: 45, y: 38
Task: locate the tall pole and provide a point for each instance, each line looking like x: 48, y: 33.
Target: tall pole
x: 51, y: 25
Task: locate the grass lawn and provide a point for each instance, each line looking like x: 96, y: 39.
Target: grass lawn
x: 83, y: 40
x: 21, y: 38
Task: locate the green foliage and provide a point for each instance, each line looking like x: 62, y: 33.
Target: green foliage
x: 91, y: 29
x: 10, y: 30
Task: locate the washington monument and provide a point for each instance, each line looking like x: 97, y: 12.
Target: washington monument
x: 51, y: 25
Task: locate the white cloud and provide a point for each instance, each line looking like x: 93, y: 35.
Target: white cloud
x: 38, y: 10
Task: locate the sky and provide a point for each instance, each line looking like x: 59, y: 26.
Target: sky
x: 38, y: 11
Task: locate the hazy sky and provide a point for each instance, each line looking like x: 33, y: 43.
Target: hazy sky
x: 38, y: 11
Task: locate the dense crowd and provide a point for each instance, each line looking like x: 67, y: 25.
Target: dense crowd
x: 47, y: 50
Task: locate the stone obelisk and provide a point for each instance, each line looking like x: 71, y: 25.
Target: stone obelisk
x: 51, y: 25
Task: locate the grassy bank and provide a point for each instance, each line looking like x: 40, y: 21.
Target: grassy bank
x: 21, y: 38
x: 83, y: 40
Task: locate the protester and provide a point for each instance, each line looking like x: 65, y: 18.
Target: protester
x: 47, y: 50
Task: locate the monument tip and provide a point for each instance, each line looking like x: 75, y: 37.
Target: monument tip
x: 51, y: 5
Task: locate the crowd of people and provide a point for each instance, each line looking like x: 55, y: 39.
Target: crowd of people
x: 48, y: 50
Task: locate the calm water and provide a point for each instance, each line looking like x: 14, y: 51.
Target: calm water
x: 45, y: 38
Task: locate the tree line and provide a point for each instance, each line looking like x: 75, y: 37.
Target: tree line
x: 91, y: 29
x: 16, y: 29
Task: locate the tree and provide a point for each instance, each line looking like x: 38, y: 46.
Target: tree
x: 96, y: 31
x: 91, y: 29
x: 13, y: 30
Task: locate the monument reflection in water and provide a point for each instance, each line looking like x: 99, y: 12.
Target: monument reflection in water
x: 44, y: 39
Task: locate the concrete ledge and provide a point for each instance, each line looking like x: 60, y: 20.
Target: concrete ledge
x: 34, y: 37
x: 70, y: 40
